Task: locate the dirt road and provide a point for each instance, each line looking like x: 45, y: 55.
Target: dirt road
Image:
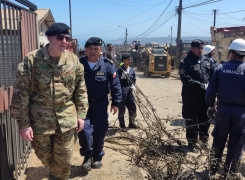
x: 164, y: 94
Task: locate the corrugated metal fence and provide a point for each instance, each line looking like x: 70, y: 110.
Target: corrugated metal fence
x: 18, y: 36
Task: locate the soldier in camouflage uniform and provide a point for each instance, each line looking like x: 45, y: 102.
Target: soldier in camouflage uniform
x: 50, y: 101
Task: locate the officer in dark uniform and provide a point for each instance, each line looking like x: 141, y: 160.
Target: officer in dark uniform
x: 127, y: 94
x: 228, y: 84
x: 98, y: 72
x: 194, y: 74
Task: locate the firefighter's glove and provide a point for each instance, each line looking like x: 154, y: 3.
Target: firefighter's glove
x: 212, y: 113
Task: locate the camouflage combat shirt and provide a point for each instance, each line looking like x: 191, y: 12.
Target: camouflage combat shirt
x: 47, y: 95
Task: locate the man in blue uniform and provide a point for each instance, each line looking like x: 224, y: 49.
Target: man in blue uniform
x: 98, y: 72
x: 127, y: 92
x: 194, y: 74
x: 228, y: 84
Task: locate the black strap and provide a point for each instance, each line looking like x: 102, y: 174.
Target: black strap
x: 231, y: 104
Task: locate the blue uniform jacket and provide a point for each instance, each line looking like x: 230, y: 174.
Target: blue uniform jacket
x: 97, y: 80
x: 228, y: 83
x: 123, y: 80
x: 194, y: 73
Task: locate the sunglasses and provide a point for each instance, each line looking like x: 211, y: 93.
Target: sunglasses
x: 61, y: 38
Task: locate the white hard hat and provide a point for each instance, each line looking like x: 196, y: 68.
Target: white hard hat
x: 238, y: 45
x: 207, y: 49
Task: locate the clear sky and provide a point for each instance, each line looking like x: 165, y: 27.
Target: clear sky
x: 108, y: 19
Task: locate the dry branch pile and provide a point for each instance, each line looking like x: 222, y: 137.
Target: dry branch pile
x: 158, y: 150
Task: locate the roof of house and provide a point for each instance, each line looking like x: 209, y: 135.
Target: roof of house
x: 45, y: 15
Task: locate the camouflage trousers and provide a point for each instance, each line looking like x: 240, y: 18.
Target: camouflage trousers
x: 55, y: 151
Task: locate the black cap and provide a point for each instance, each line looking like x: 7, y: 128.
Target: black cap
x: 126, y: 55
x: 196, y: 43
x: 94, y: 41
x: 58, y: 28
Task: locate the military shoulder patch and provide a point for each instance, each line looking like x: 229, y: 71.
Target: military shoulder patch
x: 181, y: 71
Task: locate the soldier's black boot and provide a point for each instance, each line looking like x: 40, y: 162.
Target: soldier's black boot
x: 214, y: 165
x: 121, y: 122
x: 52, y: 177
x: 132, y: 124
x: 193, y: 147
x: 87, y: 162
x: 97, y: 165
x: 205, y: 144
x: 232, y: 170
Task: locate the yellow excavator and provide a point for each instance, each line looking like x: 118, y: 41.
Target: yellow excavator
x: 156, y: 60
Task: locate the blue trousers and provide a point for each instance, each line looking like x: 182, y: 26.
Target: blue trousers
x: 230, y: 122
x: 91, y: 138
x: 129, y: 102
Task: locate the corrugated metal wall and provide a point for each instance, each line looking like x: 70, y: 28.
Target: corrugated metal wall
x: 18, y: 36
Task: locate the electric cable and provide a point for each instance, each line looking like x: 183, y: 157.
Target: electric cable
x: 128, y: 18
x: 232, y: 17
x: 160, y: 25
x: 202, y: 3
x: 128, y: 5
x: 157, y: 19
x: 118, y: 29
x: 195, y: 25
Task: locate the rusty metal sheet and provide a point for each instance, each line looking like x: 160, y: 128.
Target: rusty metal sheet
x: 10, y: 92
x: 1, y: 99
x: 18, y: 36
x: 6, y: 100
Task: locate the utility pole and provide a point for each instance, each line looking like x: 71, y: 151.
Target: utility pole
x: 171, y: 42
x: 70, y: 16
x: 179, y: 10
x: 215, y: 11
x: 126, y: 39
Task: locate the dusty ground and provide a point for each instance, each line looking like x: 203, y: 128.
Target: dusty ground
x: 164, y: 93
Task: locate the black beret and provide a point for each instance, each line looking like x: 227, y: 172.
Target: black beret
x: 126, y: 55
x: 93, y: 41
x: 58, y: 28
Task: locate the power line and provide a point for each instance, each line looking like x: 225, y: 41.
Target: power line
x: 168, y: 17
x: 196, y: 26
x: 197, y: 13
x: 232, y: 12
x: 232, y: 16
x: 117, y: 29
x: 199, y: 20
x: 128, y: 18
x: 157, y: 19
x: 128, y: 5
x: 205, y: 21
x: 211, y: 14
x: 203, y: 3
x: 193, y: 3
x: 156, y: 28
x: 198, y: 8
